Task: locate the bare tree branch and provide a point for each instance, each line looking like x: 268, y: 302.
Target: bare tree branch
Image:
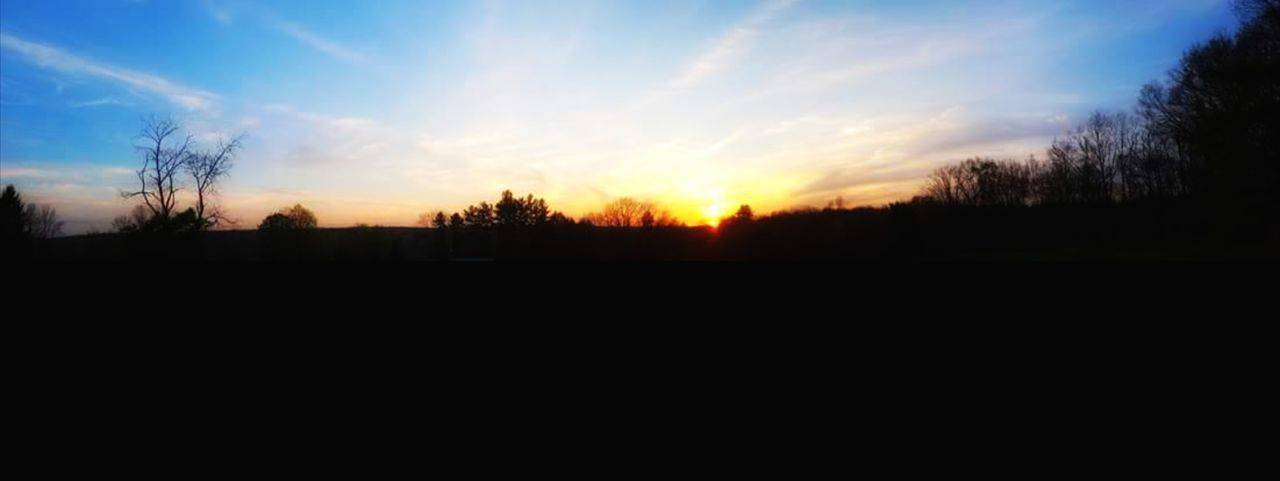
x: 164, y: 155
x: 207, y: 169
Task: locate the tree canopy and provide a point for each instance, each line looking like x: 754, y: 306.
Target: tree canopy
x: 290, y: 218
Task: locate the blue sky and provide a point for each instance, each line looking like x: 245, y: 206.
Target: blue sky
x: 374, y: 111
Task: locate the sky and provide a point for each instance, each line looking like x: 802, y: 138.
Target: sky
x: 374, y: 111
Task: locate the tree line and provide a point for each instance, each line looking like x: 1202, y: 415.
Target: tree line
x: 1208, y: 132
x: 529, y: 211
x: 509, y: 212
x: 21, y: 221
x: 1112, y: 157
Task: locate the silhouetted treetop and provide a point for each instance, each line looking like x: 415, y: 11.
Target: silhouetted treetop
x: 12, y: 214
x: 511, y: 211
x: 1220, y: 110
x: 291, y: 218
x: 479, y: 216
x: 43, y: 222
x: 167, y: 152
x: 1253, y: 9
x: 628, y: 212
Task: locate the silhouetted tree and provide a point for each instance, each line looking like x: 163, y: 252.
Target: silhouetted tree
x: 508, y: 210
x: 168, y: 151
x: 511, y: 211
x: 15, y: 238
x: 1111, y: 157
x: 1100, y: 161
x: 186, y: 221
x: 624, y: 212
x: 208, y: 169
x: 13, y: 222
x: 277, y: 221
x: 479, y: 216
x: 981, y: 182
x: 628, y: 212
x: 663, y: 218
x: 559, y: 219
x: 42, y: 221
x: 165, y: 150
x: 1253, y: 9
x: 21, y: 221
x: 291, y: 218
x: 536, y: 211
x: 1220, y: 110
x: 136, y: 220
x: 428, y: 219
x: 742, y: 218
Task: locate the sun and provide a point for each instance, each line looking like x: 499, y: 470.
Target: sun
x: 715, y: 212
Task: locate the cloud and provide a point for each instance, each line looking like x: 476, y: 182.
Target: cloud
x: 729, y: 48
x: 7, y: 172
x: 322, y: 45
x: 222, y: 12
x: 86, y: 194
x: 59, y: 60
x: 98, y: 103
x: 891, y: 165
x: 226, y: 11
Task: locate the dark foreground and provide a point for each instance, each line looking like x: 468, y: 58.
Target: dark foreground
x: 1137, y: 232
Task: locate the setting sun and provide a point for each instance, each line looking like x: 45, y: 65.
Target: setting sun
x: 715, y: 212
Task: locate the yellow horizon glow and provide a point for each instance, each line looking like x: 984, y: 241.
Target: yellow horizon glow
x: 702, y: 199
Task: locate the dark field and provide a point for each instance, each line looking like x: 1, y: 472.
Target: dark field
x: 905, y: 232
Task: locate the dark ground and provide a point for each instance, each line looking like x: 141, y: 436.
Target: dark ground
x: 1130, y: 232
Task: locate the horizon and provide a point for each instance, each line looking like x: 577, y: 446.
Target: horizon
x: 377, y: 112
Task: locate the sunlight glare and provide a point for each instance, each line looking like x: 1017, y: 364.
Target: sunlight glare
x: 715, y: 212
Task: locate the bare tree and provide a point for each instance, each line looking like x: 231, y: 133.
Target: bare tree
x: 166, y: 151
x: 941, y: 186
x: 207, y: 169
x: 136, y: 220
x: 1095, y: 166
x: 979, y: 182
x: 42, y: 221
x: 628, y: 212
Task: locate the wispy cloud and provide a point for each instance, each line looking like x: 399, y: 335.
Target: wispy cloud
x: 7, y: 172
x: 85, y: 192
x: 56, y: 59
x: 222, y: 12
x: 227, y: 11
x: 102, y: 102
x: 729, y: 47
x: 325, y: 46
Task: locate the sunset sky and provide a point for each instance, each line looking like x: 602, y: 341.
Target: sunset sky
x: 373, y: 111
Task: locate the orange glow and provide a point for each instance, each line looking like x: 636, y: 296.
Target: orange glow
x: 715, y: 212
